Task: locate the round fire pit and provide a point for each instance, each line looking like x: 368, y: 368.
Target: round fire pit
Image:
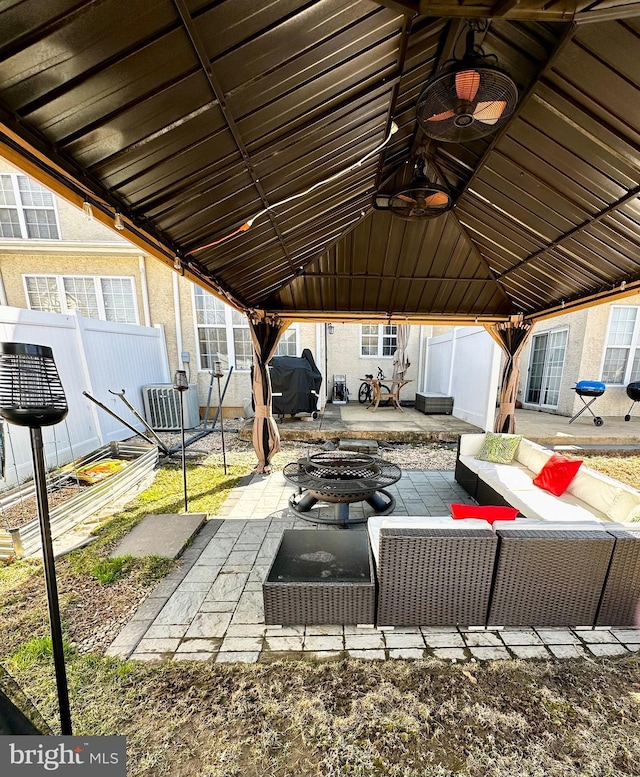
x: 340, y: 479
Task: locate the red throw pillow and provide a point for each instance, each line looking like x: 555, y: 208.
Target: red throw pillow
x: 488, y: 513
x: 557, y: 473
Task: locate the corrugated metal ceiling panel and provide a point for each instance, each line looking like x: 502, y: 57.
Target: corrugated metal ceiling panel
x: 193, y: 116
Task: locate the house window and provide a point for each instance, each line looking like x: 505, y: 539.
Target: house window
x: 621, y: 364
x: 222, y: 332
x: 108, y: 299
x: 378, y: 339
x: 27, y: 209
x: 288, y: 343
x: 242, y: 345
x: 211, y: 325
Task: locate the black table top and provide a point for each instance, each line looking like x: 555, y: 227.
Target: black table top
x: 316, y: 556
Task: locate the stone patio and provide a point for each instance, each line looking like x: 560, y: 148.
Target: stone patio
x: 210, y: 608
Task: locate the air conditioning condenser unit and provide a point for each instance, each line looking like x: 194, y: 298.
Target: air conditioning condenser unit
x: 162, y: 407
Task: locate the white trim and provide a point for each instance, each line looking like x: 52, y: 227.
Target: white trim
x: 20, y: 208
x: 294, y: 327
x: 547, y: 332
x: 30, y: 245
x: 380, y: 336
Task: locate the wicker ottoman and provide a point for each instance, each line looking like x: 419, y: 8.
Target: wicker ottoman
x: 320, y: 577
x: 432, y: 403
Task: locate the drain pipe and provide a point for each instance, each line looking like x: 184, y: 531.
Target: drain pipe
x: 176, y: 314
x: 144, y: 288
x: 319, y: 351
x: 326, y: 362
x: 3, y: 292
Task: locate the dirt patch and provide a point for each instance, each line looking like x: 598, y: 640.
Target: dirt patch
x: 95, y: 613
x: 25, y: 509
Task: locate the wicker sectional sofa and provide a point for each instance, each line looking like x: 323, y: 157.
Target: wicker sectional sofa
x: 435, y: 571
x: 590, y: 494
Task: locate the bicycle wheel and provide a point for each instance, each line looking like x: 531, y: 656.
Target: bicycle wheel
x: 384, y: 390
x: 364, y: 394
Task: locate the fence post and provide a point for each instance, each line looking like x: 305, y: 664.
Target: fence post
x: 16, y: 539
x: 86, y: 373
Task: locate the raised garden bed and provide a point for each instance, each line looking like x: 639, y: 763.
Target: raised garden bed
x: 69, y: 505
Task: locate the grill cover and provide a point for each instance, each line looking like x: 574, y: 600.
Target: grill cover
x: 295, y: 379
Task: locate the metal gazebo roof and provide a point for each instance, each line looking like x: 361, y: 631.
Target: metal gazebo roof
x: 193, y: 119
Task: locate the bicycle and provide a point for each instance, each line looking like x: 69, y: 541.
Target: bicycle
x: 365, y: 392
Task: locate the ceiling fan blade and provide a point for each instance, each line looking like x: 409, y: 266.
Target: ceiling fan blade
x: 404, y: 198
x: 437, y: 198
x: 467, y: 84
x: 489, y: 112
x: 442, y: 116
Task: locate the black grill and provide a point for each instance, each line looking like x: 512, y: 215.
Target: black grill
x: 633, y: 392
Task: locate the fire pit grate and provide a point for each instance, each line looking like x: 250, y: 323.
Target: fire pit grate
x: 341, y: 478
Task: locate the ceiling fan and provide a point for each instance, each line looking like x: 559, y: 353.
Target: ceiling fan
x: 422, y: 198
x: 469, y: 98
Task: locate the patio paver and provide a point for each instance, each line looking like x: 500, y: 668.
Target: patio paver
x: 210, y: 608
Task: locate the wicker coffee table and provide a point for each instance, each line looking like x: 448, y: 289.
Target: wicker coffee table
x: 320, y: 577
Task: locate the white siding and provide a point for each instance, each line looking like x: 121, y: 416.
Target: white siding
x: 92, y: 356
x: 465, y: 363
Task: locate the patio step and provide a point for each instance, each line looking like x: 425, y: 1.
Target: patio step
x: 359, y: 446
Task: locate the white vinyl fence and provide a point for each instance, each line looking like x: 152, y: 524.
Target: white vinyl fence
x: 92, y: 356
x: 465, y: 364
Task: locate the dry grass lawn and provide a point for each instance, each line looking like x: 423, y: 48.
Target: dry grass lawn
x: 397, y: 718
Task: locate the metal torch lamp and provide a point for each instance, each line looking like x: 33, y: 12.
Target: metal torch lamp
x: 181, y: 384
x: 217, y: 373
x: 31, y: 394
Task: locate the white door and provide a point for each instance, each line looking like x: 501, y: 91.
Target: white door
x: 545, y: 368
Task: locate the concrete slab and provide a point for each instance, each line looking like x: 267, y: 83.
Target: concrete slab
x: 356, y: 422
x: 359, y: 446
x: 160, y: 535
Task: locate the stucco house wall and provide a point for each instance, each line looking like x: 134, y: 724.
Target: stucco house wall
x: 586, y: 344
x: 344, y: 358
x: 87, y: 247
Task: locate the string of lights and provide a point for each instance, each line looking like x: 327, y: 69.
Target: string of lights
x: 249, y: 222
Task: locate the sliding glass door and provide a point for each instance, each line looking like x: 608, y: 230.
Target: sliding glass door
x: 545, y: 368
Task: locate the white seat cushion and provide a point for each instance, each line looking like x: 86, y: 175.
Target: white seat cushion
x: 544, y: 506
x: 477, y: 465
x: 505, y: 478
x: 377, y: 522
x: 527, y: 524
